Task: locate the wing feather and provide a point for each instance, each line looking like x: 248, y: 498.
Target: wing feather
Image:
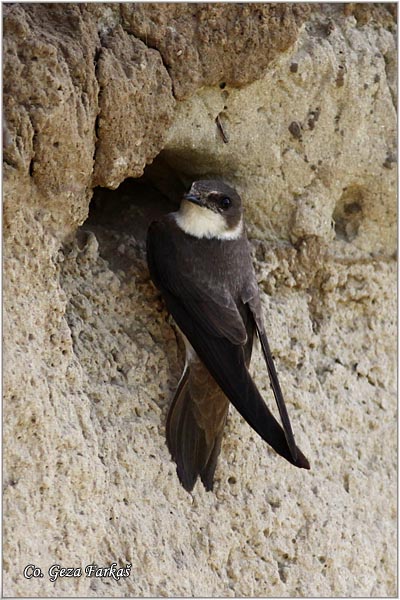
x: 226, y: 363
x: 212, y: 323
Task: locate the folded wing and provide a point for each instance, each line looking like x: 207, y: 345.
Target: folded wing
x: 208, y: 318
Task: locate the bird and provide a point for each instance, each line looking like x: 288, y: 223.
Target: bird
x: 199, y: 259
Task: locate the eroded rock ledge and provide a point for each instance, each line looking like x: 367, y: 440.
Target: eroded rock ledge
x: 116, y: 107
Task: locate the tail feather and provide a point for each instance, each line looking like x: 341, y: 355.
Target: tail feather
x: 207, y: 474
x: 193, y: 446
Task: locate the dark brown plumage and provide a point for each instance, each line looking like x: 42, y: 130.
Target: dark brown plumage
x: 209, y: 287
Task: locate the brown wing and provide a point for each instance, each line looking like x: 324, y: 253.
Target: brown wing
x: 252, y: 299
x: 205, y: 319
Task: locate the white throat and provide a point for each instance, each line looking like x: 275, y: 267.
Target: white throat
x: 204, y: 223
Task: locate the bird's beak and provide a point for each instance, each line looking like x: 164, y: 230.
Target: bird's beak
x: 192, y: 198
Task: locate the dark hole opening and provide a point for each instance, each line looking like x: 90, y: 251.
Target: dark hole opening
x: 120, y: 218
x: 348, y: 213
x: 137, y: 202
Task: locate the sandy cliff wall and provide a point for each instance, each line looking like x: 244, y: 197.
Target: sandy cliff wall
x: 305, y: 97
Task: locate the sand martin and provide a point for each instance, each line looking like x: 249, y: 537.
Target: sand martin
x: 199, y: 258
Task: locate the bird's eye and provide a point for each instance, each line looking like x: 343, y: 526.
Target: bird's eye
x: 225, y: 202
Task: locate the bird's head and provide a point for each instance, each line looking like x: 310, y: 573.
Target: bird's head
x: 211, y: 209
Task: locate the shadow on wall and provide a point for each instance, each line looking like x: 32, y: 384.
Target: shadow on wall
x: 349, y: 213
x: 125, y: 213
x: 134, y: 204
